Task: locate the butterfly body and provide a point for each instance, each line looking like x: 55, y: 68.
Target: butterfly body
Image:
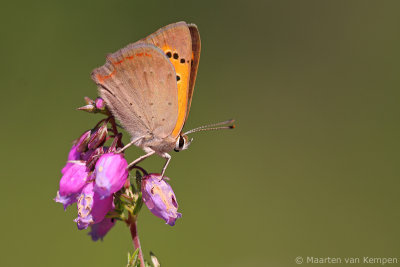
x: 148, y: 87
x: 159, y: 145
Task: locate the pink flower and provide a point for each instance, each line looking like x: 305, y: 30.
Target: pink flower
x: 74, y: 174
x: 100, y: 104
x: 91, y: 207
x: 110, y: 174
x: 99, y: 230
x: 77, y: 149
x: 159, y: 198
x: 74, y: 179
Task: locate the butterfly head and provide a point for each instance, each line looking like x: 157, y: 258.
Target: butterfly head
x: 182, y: 142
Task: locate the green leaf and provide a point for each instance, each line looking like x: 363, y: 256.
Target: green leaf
x: 133, y: 259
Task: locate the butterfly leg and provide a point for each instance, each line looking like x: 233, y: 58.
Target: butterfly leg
x: 129, y: 144
x: 136, y: 161
x: 168, y: 157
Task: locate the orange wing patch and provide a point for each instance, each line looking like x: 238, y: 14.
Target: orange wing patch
x: 182, y: 69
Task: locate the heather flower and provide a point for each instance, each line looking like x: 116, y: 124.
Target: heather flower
x: 73, y: 179
x: 99, y: 230
x: 75, y: 174
x: 76, y: 150
x: 110, y: 174
x: 159, y: 198
x: 94, y: 106
x: 91, y: 207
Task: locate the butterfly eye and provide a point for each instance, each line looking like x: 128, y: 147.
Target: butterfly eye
x: 182, y: 143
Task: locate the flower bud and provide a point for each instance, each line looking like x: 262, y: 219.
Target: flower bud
x: 100, y: 104
x: 110, y: 174
x: 95, y: 106
x: 98, y: 136
x: 99, y: 230
x: 88, y: 108
x: 82, y: 142
x: 91, y: 208
x: 159, y: 198
x: 116, y: 144
x: 90, y: 105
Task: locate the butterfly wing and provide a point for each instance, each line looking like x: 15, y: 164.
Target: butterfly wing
x: 139, y: 86
x: 196, y: 47
x: 176, y: 42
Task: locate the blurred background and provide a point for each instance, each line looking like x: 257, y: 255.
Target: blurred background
x: 312, y: 168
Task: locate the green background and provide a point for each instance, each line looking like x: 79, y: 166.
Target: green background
x: 312, y: 168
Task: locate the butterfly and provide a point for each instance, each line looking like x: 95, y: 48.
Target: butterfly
x: 148, y: 86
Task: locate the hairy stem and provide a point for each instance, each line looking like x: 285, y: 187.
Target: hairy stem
x: 135, y: 238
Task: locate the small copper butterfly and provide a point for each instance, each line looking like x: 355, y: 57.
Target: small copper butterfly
x: 148, y: 86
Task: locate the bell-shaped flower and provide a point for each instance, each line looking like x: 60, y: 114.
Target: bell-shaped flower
x: 91, y: 207
x: 159, y: 198
x: 76, y: 150
x: 99, y: 230
x: 74, y: 179
x: 110, y: 174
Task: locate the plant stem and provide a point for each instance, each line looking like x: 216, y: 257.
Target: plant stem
x: 135, y: 238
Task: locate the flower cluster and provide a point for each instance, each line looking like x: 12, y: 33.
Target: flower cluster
x: 95, y: 177
x: 92, y: 174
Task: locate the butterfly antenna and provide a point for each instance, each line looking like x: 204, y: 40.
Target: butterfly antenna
x: 210, y: 127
